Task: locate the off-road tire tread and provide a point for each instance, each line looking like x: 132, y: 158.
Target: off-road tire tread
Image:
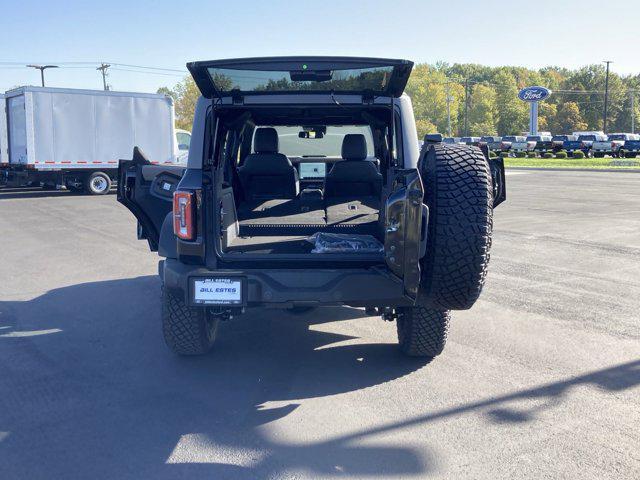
x: 185, y: 328
x: 422, y: 331
x: 459, y: 192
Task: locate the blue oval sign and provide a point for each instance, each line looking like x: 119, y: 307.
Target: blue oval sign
x: 533, y: 94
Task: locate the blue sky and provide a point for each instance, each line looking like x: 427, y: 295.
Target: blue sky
x: 568, y: 33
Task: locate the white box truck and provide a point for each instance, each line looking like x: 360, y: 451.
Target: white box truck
x: 75, y: 138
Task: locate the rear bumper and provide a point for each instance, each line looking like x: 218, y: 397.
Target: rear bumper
x: 286, y: 288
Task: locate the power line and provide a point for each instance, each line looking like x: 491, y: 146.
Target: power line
x: 148, y: 73
x: 148, y: 68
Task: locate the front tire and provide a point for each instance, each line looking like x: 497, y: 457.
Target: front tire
x: 422, y: 331
x: 187, y: 330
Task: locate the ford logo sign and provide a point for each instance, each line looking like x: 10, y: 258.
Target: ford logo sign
x: 533, y: 94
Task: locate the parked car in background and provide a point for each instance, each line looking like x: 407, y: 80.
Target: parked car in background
x: 183, y: 140
x: 523, y: 144
x: 505, y: 144
x: 540, y: 143
x: 557, y: 141
x: 584, y: 143
x: 631, y: 148
x: 451, y: 140
x: 475, y: 141
x: 492, y: 142
x: 614, y: 143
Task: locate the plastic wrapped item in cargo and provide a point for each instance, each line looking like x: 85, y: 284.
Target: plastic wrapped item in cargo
x: 344, y: 243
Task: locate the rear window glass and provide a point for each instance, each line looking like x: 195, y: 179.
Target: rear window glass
x: 330, y: 145
x: 354, y: 80
x: 616, y: 137
x: 588, y: 138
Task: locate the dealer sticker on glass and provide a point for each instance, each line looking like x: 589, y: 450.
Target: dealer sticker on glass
x: 218, y: 291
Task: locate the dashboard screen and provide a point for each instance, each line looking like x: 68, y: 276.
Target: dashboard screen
x: 312, y: 170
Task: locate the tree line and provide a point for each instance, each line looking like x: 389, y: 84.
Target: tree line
x: 470, y: 99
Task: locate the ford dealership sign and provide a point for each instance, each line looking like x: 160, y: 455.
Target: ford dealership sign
x: 534, y: 94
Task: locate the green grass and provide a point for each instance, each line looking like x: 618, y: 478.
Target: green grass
x: 594, y: 163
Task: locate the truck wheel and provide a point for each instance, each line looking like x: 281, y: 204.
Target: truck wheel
x: 98, y: 183
x: 598, y: 155
x: 187, y: 330
x: 422, y: 332
x: 459, y: 192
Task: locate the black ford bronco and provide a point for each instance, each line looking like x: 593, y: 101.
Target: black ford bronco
x: 305, y: 187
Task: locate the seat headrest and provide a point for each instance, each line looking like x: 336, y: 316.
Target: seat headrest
x: 266, y: 141
x: 354, y: 147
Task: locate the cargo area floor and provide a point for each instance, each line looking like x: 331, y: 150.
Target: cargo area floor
x: 282, y: 244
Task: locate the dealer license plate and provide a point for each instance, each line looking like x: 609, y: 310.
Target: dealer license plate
x: 218, y: 291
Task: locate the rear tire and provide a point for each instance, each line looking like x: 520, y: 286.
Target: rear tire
x: 98, y: 183
x: 422, y: 332
x: 459, y: 193
x: 187, y: 330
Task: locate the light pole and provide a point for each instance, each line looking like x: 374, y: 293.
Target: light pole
x: 606, y: 95
x: 466, y: 107
x: 42, y: 68
x: 449, y: 99
x: 633, y: 112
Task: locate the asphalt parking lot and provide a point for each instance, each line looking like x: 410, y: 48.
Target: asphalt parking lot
x: 541, y: 379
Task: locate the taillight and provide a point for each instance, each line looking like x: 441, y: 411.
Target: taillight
x: 183, y: 215
x: 613, y: 144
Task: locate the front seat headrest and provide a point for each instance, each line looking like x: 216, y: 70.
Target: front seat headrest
x: 354, y: 147
x: 266, y: 140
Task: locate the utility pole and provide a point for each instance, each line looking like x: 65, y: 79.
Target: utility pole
x: 103, y: 69
x: 449, y: 98
x: 42, y: 68
x: 606, y: 95
x: 466, y: 107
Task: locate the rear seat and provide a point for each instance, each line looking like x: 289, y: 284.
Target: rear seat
x: 351, y: 201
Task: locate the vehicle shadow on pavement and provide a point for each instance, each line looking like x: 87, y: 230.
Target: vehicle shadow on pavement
x: 35, y: 192
x: 88, y: 390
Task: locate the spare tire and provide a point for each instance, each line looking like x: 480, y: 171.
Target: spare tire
x: 459, y: 194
